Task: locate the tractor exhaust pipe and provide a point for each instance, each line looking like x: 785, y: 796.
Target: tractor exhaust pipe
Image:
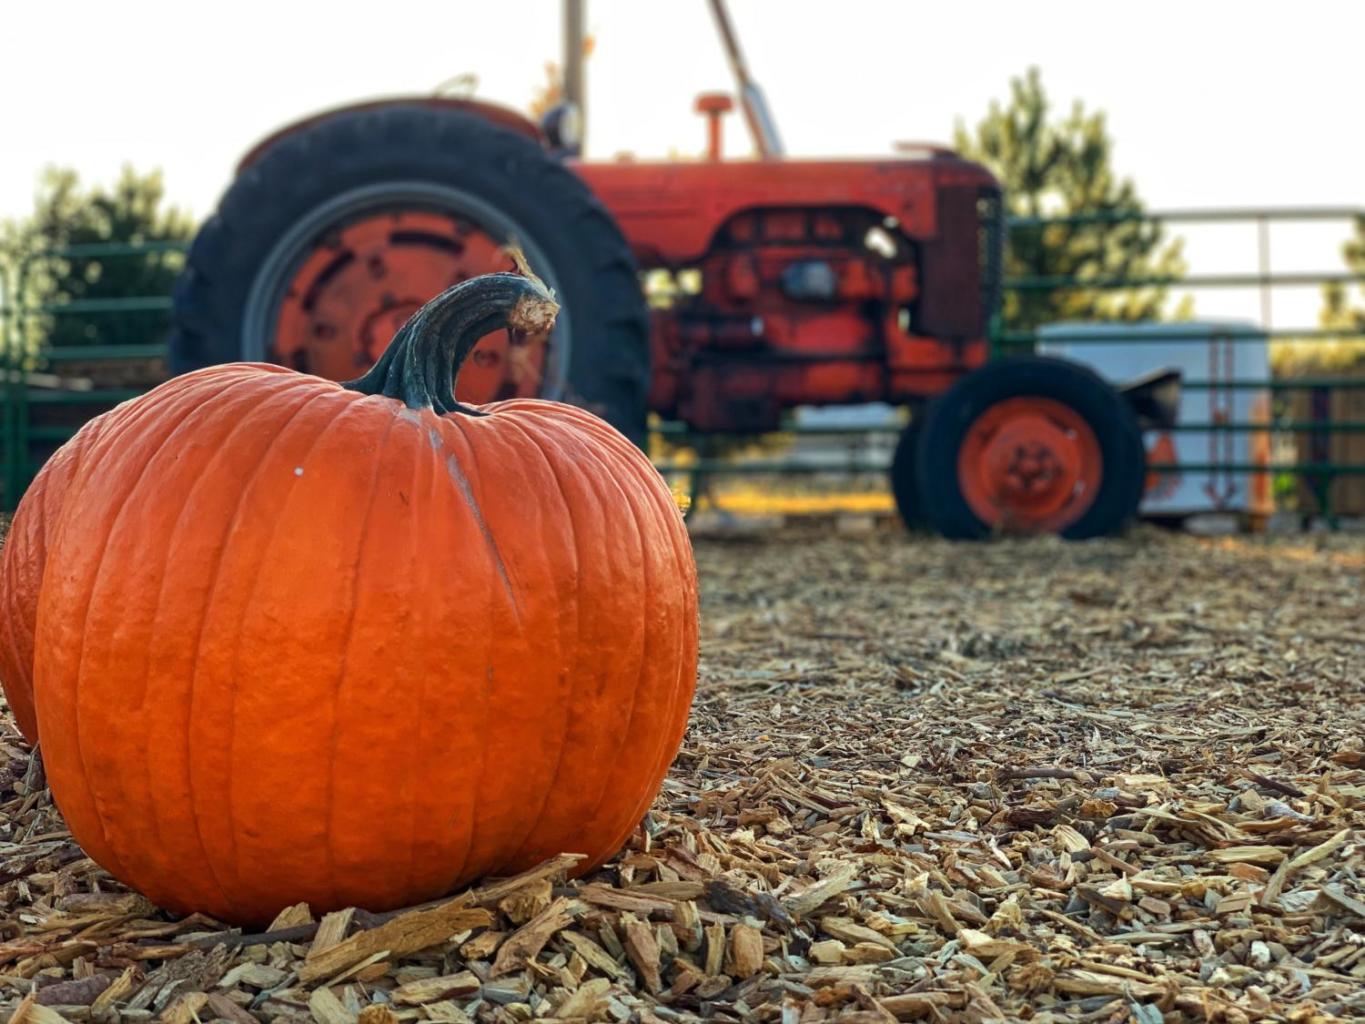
x: 751, y: 98
x: 574, y: 91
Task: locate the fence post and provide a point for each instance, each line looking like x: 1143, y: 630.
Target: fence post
x: 1263, y: 264
x: 17, y: 397
x: 11, y: 337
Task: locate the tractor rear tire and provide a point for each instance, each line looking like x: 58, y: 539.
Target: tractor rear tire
x: 389, y: 160
x: 1030, y: 444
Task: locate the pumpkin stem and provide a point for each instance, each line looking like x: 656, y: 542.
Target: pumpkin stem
x: 422, y: 363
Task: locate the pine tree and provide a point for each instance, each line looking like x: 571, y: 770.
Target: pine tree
x: 1337, y: 311
x: 66, y: 215
x: 1055, y: 166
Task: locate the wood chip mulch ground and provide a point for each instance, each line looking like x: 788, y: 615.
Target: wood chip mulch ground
x: 1121, y: 780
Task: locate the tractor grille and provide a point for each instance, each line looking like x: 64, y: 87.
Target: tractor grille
x: 990, y: 213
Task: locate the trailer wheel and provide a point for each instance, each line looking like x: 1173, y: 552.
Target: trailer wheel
x: 904, y: 485
x: 1030, y: 445
x: 329, y: 240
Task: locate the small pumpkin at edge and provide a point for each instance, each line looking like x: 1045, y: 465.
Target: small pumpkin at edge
x: 21, y: 574
x: 359, y: 644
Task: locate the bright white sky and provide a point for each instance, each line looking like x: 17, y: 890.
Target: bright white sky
x: 1212, y: 103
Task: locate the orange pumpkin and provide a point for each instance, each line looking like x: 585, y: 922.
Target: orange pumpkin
x: 358, y: 644
x: 21, y: 574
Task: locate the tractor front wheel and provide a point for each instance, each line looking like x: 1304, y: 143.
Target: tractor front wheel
x: 1029, y: 445
x: 904, y: 485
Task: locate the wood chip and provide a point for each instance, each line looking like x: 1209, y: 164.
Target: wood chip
x: 595, y: 956
x: 253, y: 974
x: 331, y: 930
x: 827, y: 951
x: 1320, y: 852
x: 77, y: 992
x: 407, y: 933
x: 291, y: 917
x: 588, y: 1002
x: 715, y: 948
x: 30, y: 1012
x: 979, y: 944
x: 530, y: 938
x: 482, y: 946
x: 187, y: 1007
x: 376, y: 1013
x: 914, y: 1005
x: 120, y: 989
x: 745, y: 953
x: 815, y: 896
x: 326, y: 1008
x: 221, y: 1007
x: 851, y: 931
x: 1340, y: 898
x: 528, y: 901
x: 643, y: 951
x: 1247, y: 855
x: 447, y: 1013
x: 431, y: 990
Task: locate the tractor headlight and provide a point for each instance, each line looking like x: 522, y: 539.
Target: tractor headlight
x: 563, y: 127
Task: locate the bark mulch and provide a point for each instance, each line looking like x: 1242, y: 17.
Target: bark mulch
x: 1120, y: 780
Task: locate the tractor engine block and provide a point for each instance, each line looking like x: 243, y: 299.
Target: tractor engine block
x: 793, y: 307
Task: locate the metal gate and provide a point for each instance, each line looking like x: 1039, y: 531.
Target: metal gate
x: 44, y: 403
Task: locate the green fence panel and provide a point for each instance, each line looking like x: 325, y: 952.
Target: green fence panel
x: 22, y: 397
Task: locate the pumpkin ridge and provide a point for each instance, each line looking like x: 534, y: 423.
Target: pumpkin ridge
x: 153, y: 792
x: 636, y: 496
x: 152, y: 631
x: 662, y: 512
x: 457, y: 815
x: 202, y: 475
x: 674, y: 528
x: 573, y: 709
x: 363, y: 535
x: 485, y: 695
x: 457, y: 473
x: 571, y: 446
x: 230, y: 522
x: 184, y: 397
x: 430, y: 479
x: 210, y: 593
x: 669, y: 522
x: 229, y: 804
x: 669, y: 519
x: 671, y: 739
x: 419, y: 466
x: 10, y: 643
x: 12, y: 625
x: 613, y: 479
x: 687, y: 667
x: 24, y: 566
x: 646, y: 799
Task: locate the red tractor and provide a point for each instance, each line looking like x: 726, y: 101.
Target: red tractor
x: 796, y: 282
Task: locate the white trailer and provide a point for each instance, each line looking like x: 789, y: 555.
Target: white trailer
x: 1219, y: 352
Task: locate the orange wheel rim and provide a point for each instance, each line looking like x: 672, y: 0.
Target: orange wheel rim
x: 1030, y: 465
x: 362, y: 281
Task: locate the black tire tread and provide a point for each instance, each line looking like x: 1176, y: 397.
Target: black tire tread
x: 610, y: 363
x: 904, y: 485
x: 1116, y: 428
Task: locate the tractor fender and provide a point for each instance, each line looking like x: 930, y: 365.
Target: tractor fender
x: 1154, y: 398
x: 503, y: 116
